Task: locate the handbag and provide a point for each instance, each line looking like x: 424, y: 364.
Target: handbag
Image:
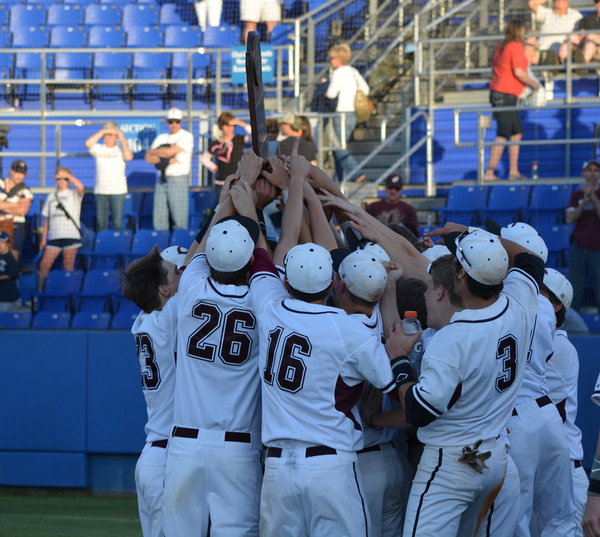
x: 363, y: 106
x: 87, y: 235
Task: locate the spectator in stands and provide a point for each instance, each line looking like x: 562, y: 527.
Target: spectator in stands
x: 208, y: 11
x: 171, y: 153
x: 61, y: 228
x: 585, y: 46
x: 559, y: 20
x: 509, y: 66
x: 391, y: 209
x: 291, y: 127
x: 110, y: 188
x: 15, y: 201
x: 583, y: 210
x: 10, y: 296
x: 254, y: 11
x: 226, y: 147
x: 344, y: 83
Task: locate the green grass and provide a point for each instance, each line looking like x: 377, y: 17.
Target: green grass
x: 68, y: 514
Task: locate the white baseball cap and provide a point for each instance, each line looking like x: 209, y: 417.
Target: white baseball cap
x: 363, y: 275
x: 481, y: 254
x: 527, y: 237
x: 175, y: 255
x: 376, y: 251
x: 558, y: 284
x: 229, y: 246
x: 174, y: 113
x: 308, y: 268
x: 436, y: 251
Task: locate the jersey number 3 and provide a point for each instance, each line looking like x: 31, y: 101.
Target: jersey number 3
x: 507, y: 354
x: 145, y: 351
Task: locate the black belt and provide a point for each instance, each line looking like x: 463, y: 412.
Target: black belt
x: 577, y: 464
x: 313, y: 451
x: 369, y: 449
x: 541, y: 401
x: 160, y: 443
x: 230, y: 436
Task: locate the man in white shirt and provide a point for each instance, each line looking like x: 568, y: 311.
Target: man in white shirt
x: 172, y: 154
x: 110, y: 188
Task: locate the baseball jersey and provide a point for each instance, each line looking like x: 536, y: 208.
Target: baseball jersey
x: 542, y: 347
x: 313, y: 360
x: 155, y: 342
x: 561, y: 375
x: 596, y: 394
x: 473, y: 367
x: 217, y: 354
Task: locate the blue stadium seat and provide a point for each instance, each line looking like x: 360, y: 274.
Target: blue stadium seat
x: 79, y: 2
x: 108, y: 247
x: 139, y: 15
x: 59, y: 289
x: 146, y: 211
x: 123, y: 320
x: 89, y: 320
x: 200, y: 204
x: 182, y: 36
x: 144, y: 36
x: 48, y: 320
x: 169, y: 14
x: 11, y: 320
x: 67, y: 37
x: 221, y: 36
x: 72, y: 65
x: 22, y: 15
x: 463, y: 204
x: 151, y: 66
x: 183, y: 237
x: 67, y: 15
x: 111, y: 66
x: 179, y: 71
x: 557, y: 239
x: 99, y: 286
x: 593, y: 321
x: 29, y: 36
x: 28, y: 286
x: 116, y: 2
x: 102, y: 14
x: 106, y: 36
x: 121, y: 304
x: 144, y: 240
x: 547, y: 204
x: 505, y: 203
x: 4, y: 15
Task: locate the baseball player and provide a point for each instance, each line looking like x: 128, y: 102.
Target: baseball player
x: 562, y: 374
x: 151, y: 282
x: 469, y: 379
x: 213, y: 474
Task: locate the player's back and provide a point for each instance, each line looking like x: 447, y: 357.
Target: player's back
x: 217, y: 382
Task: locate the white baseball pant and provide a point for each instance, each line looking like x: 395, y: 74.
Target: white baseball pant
x: 149, y: 483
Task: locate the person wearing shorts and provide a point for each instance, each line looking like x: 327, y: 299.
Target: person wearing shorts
x: 254, y: 11
x: 61, y: 224
x: 509, y: 78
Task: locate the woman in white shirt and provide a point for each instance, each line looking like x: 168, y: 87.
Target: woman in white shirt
x: 61, y: 213
x: 345, y: 82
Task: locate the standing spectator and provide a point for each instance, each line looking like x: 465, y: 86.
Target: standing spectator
x: 15, y: 201
x: 208, y: 11
x: 254, y: 11
x: 62, y: 227
x: 345, y: 82
x: 559, y: 20
x: 291, y: 127
x: 110, y: 189
x: 583, y: 210
x: 172, y: 154
x: 585, y: 45
x: 391, y: 209
x: 10, y: 297
x: 226, y: 147
x: 510, y: 76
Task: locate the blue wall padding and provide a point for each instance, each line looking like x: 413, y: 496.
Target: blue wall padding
x: 42, y: 469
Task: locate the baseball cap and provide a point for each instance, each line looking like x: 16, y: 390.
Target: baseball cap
x: 230, y: 243
x: 481, y: 254
x: 292, y: 120
x: 524, y: 235
x: 588, y: 162
x: 308, y: 268
x: 558, y: 284
x: 372, y: 248
x: 393, y: 181
x: 4, y: 237
x: 363, y: 275
x: 436, y: 251
x: 174, y: 113
x: 175, y: 255
x: 19, y: 166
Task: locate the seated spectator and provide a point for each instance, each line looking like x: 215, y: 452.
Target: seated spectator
x: 291, y: 127
x: 559, y: 20
x: 10, y: 296
x: 585, y: 46
x: 391, y: 209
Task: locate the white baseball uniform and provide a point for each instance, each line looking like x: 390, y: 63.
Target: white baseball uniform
x: 471, y: 372
x: 538, y: 444
x: 155, y: 339
x: 313, y: 360
x: 213, y: 475
x: 596, y: 394
x: 562, y: 375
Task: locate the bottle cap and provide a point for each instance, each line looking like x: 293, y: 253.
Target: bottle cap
x: 410, y: 314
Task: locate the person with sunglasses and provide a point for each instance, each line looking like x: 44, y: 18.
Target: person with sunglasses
x: 391, y: 209
x: 174, y: 151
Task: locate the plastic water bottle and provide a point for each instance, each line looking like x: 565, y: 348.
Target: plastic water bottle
x: 534, y: 170
x: 411, y: 325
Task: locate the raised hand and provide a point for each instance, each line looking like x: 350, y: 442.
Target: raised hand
x: 278, y: 176
x: 250, y: 166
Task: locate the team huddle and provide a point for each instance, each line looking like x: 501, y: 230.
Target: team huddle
x: 280, y: 387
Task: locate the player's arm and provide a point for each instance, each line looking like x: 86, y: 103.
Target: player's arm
x: 322, y: 233
x: 242, y: 197
x: 388, y: 303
